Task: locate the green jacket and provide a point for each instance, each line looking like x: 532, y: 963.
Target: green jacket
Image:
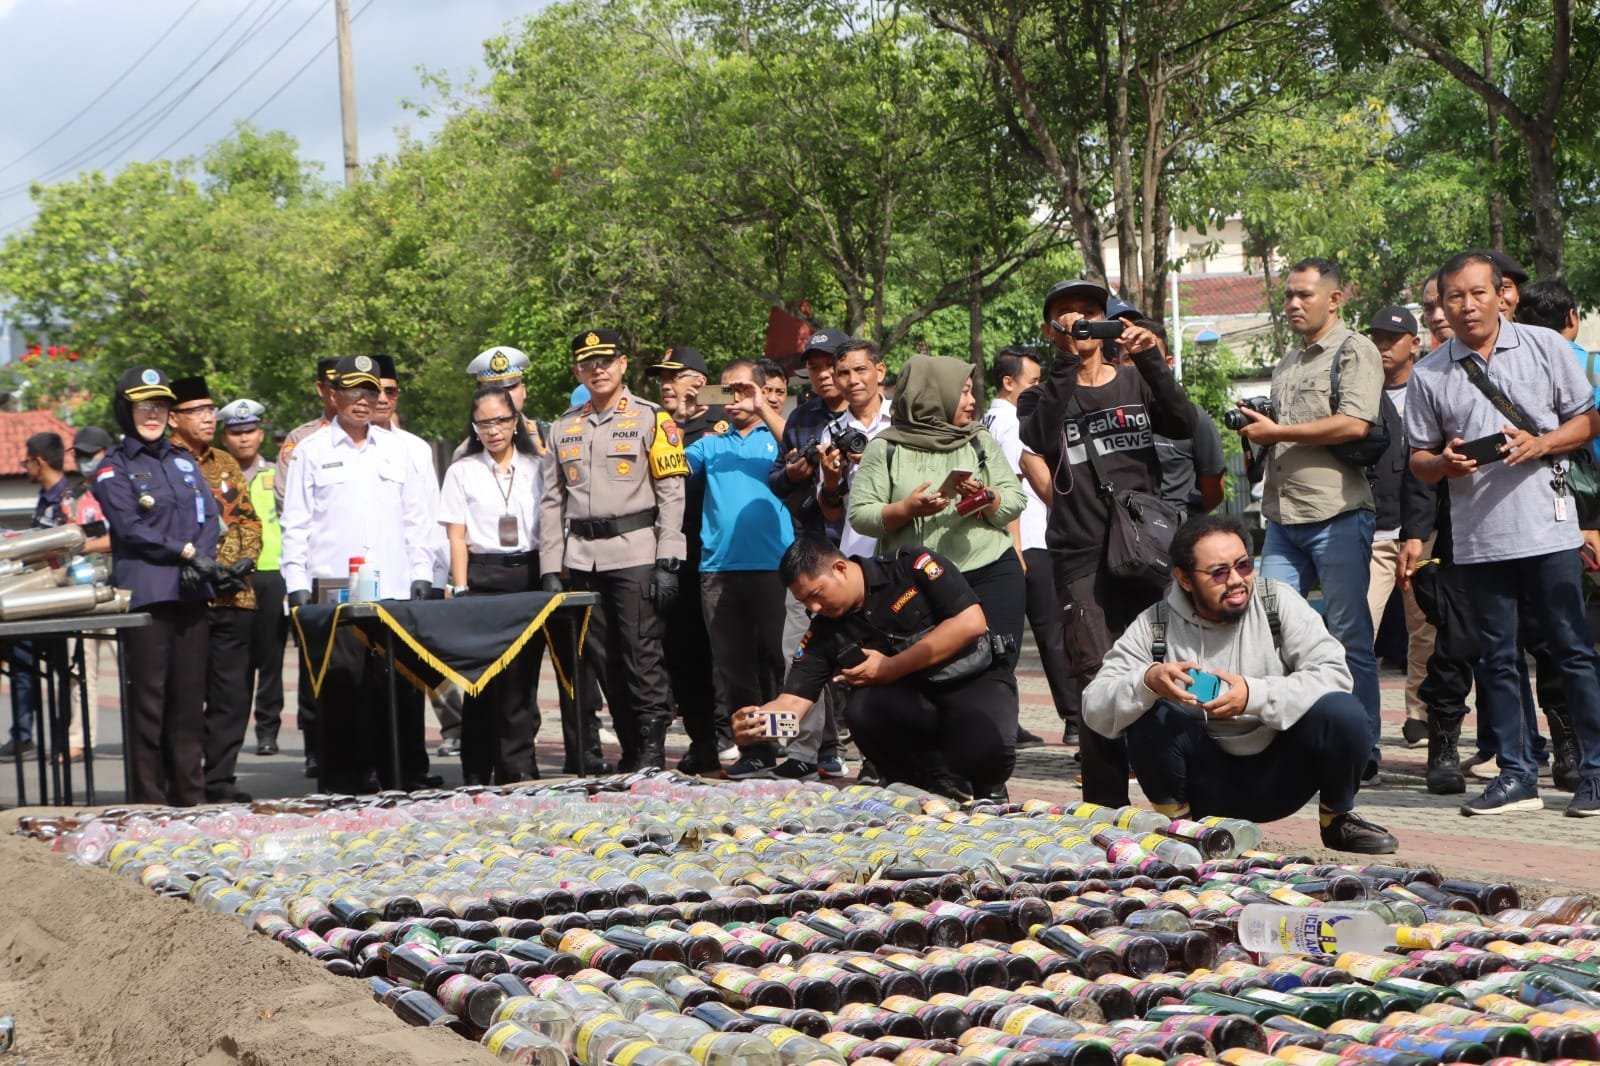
x: 267, y: 510
x: 967, y: 542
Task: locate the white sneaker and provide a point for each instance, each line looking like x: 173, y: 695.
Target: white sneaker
x: 608, y: 737
x: 729, y: 753
x: 1487, y: 770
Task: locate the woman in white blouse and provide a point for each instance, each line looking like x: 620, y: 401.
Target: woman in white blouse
x: 489, y: 507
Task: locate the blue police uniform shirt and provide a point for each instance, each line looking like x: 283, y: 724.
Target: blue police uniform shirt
x: 744, y: 526
x: 50, y: 511
x: 147, y: 542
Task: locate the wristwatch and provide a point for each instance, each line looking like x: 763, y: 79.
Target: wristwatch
x: 458, y: 590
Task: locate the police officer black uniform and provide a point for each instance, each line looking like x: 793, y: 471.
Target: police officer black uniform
x: 611, y: 520
x: 934, y: 702
x: 164, y: 533
x: 681, y: 371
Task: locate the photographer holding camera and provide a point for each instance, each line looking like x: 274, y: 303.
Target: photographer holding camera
x: 1090, y: 402
x: 859, y: 372
x: 1316, y: 499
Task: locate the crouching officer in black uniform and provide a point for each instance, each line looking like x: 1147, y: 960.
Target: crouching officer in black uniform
x: 164, y: 532
x: 934, y: 701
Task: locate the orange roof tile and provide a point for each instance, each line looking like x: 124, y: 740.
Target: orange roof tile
x: 15, y: 429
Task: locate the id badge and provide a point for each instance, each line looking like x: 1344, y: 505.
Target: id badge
x: 508, y: 531
x: 199, y: 509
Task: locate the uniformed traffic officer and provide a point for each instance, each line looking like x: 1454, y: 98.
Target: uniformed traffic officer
x: 194, y: 424
x: 306, y: 703
x: 505, y: 366
x: 680, y: 373
x: 164, y: 534
x: 614, y: 481
x: 931, y: 704
x: 242, y: 436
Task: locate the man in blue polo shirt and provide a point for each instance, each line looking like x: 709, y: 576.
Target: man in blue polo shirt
x: 744, y: 531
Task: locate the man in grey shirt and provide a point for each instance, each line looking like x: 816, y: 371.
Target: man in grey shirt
x: 1514, y: 520
x: 1318, y: 508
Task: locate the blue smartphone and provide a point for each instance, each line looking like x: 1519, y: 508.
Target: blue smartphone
x: 1203, y: 686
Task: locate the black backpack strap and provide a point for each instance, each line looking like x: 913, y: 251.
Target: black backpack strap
x: 1269, y: 600
x: 1333, y: 377
x: 1158, y: 632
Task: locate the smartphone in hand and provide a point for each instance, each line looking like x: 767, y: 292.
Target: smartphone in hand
x: 1484, y: 450
x: 780, y: 725
x: 851, y: 655
x: 1204, y: 686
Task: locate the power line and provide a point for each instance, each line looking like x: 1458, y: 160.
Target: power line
x: 59, y: 130
x: 304, y: 67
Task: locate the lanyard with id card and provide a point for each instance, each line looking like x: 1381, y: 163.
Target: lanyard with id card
x: 508, y: 522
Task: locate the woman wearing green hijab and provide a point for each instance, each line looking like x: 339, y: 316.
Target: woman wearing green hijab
x: 907, y: 489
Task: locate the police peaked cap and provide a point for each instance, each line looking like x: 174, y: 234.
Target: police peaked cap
x: 144, y: 383
x: 597, y: 343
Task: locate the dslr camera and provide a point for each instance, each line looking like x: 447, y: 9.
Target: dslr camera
x: 847, y: 438
x: 1261, y: 405
x: 1099, y: 329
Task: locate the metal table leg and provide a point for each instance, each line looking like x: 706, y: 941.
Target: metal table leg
x: 394, y: 710
x: 86, y: 704
x: 122, y: 711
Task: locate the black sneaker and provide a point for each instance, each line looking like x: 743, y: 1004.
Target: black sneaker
x: 868, y: 775
x: 1502, y: 797
x: 796, y: 770
x: 227, y: 794
x: 10, y: 751
x: 1069, y: 733
x: 1369, y: 776
x: 1414, y: 732
x: 267, y: 747
x: 1025, y: 739
x: 1351, y: 832
x: 750, y: 766
x: 698, y: 760
x: 1586, y: 800
x: 448, y: 746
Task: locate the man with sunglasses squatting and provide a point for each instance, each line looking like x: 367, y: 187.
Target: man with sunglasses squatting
x: 1234, y: 699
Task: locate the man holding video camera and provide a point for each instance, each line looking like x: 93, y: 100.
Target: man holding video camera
x: 1092, y: 421
x: 931, y: 701
x: 859, y: 372
x: 1233, y: 697
x: 1318, y: 504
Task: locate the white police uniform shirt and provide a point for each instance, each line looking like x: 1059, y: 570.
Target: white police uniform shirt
x: 422, y: 466
x: 477, y: 495
x: 1003, y: 425
x: 851, y: 542
x: 342, y: 500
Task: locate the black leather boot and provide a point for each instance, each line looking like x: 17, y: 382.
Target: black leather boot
x: 1444, y: 761
x: 652, y: 744
x: 1563, y: 750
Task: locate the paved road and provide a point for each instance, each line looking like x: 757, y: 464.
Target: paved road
x: 1541, y: 845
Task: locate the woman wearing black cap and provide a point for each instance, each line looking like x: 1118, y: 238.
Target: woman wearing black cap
x: 164, y: 532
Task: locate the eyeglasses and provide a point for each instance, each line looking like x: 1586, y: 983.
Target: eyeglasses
x: 1219, y: 574
x: 208, y: 411
x: 391, y: 391
x: 497, y: 422
x: 590, y: 365
x: 357, y: 394
x: 151, y: 408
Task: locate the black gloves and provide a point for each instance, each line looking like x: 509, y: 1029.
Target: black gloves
x: 299, y: 598
x: 197, y: 573
x: 664, y: 584
x: 232, y: 577
x: 421, y: 590
x: 552, y: 583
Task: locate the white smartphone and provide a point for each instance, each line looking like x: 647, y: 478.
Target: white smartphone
x: 953, y: 482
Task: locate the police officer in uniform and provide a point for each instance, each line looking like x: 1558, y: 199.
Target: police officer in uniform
x: 680, y: 373
x: 611, y: 520
x: 164, y: 533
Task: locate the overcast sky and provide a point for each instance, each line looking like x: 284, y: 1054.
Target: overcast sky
x: 62, y: 54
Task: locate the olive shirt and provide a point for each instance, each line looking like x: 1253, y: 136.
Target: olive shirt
x: 967, y: 541
x: 1304, y: 482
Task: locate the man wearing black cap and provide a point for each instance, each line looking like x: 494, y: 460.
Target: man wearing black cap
x: 611, y: 521
x: 1088, y: 400
x: 1512, y: 279
x: 228, y: 690
x: 351, y: 493
x: 89, y: 446
x: 1394, y: 331
x: 680, y: 373
x: 794, y: 477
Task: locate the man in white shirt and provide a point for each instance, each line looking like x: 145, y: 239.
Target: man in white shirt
x: 859, y: 371
x: 1015, y: 371
x: 352, y: 492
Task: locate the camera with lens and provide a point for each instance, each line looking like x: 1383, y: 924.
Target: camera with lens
x: 847, y: 438
x: 812, y: 452
x: 1261, y: 405
x: 1099, y: 329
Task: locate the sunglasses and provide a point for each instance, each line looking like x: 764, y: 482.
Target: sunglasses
x: 589, y: 366
x: 1219, y: 574
x: 497, y: 422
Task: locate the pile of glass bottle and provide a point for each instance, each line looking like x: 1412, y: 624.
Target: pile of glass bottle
x: 661, y: 921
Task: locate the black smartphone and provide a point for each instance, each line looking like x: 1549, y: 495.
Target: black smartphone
x: 851, y: 655
x: 1484, y: 450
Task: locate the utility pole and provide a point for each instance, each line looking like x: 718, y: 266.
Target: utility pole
x: 347, y: 94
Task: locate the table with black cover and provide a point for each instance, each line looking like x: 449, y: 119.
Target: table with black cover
x: 58, y: 648
x: 467, y: 640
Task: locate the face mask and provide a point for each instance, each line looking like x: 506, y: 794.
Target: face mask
x: 87, y: 467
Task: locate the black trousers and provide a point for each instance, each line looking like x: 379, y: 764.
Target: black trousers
x: 971, y: 726
x: 498, y: 726
x: 1044, y: 618
x: 1095, y: 609
x: 228, y: 692
x: 269, y: 633
x: 165, y: 667
x: 1002, y: 589
x: 686, y: 643
x: 626, y: 626
x: 1324, y: 752
x: 744, y: 614
x: 355, y: 722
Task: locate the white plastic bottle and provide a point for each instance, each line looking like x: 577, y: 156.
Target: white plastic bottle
x: 364, y: 586
x: 1271, y: 929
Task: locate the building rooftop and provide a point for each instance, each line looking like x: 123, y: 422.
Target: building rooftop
x: 15, y: 429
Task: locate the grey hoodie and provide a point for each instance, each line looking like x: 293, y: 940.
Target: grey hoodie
x: 1281, y: 689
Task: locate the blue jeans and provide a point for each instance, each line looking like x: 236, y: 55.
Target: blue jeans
x: 1504, y: 702
x: 1336, y: 554
x: 24, y: 692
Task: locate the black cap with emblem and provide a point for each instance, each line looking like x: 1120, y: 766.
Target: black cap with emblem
x: 326, y: 367
x: 356, y: 372
x: 597, y: 343
x: 681, y: 357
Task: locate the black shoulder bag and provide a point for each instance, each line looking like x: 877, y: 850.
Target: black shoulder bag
x: 1364, y: 451
x: 1139, y: 527
x: 1575, y: 472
